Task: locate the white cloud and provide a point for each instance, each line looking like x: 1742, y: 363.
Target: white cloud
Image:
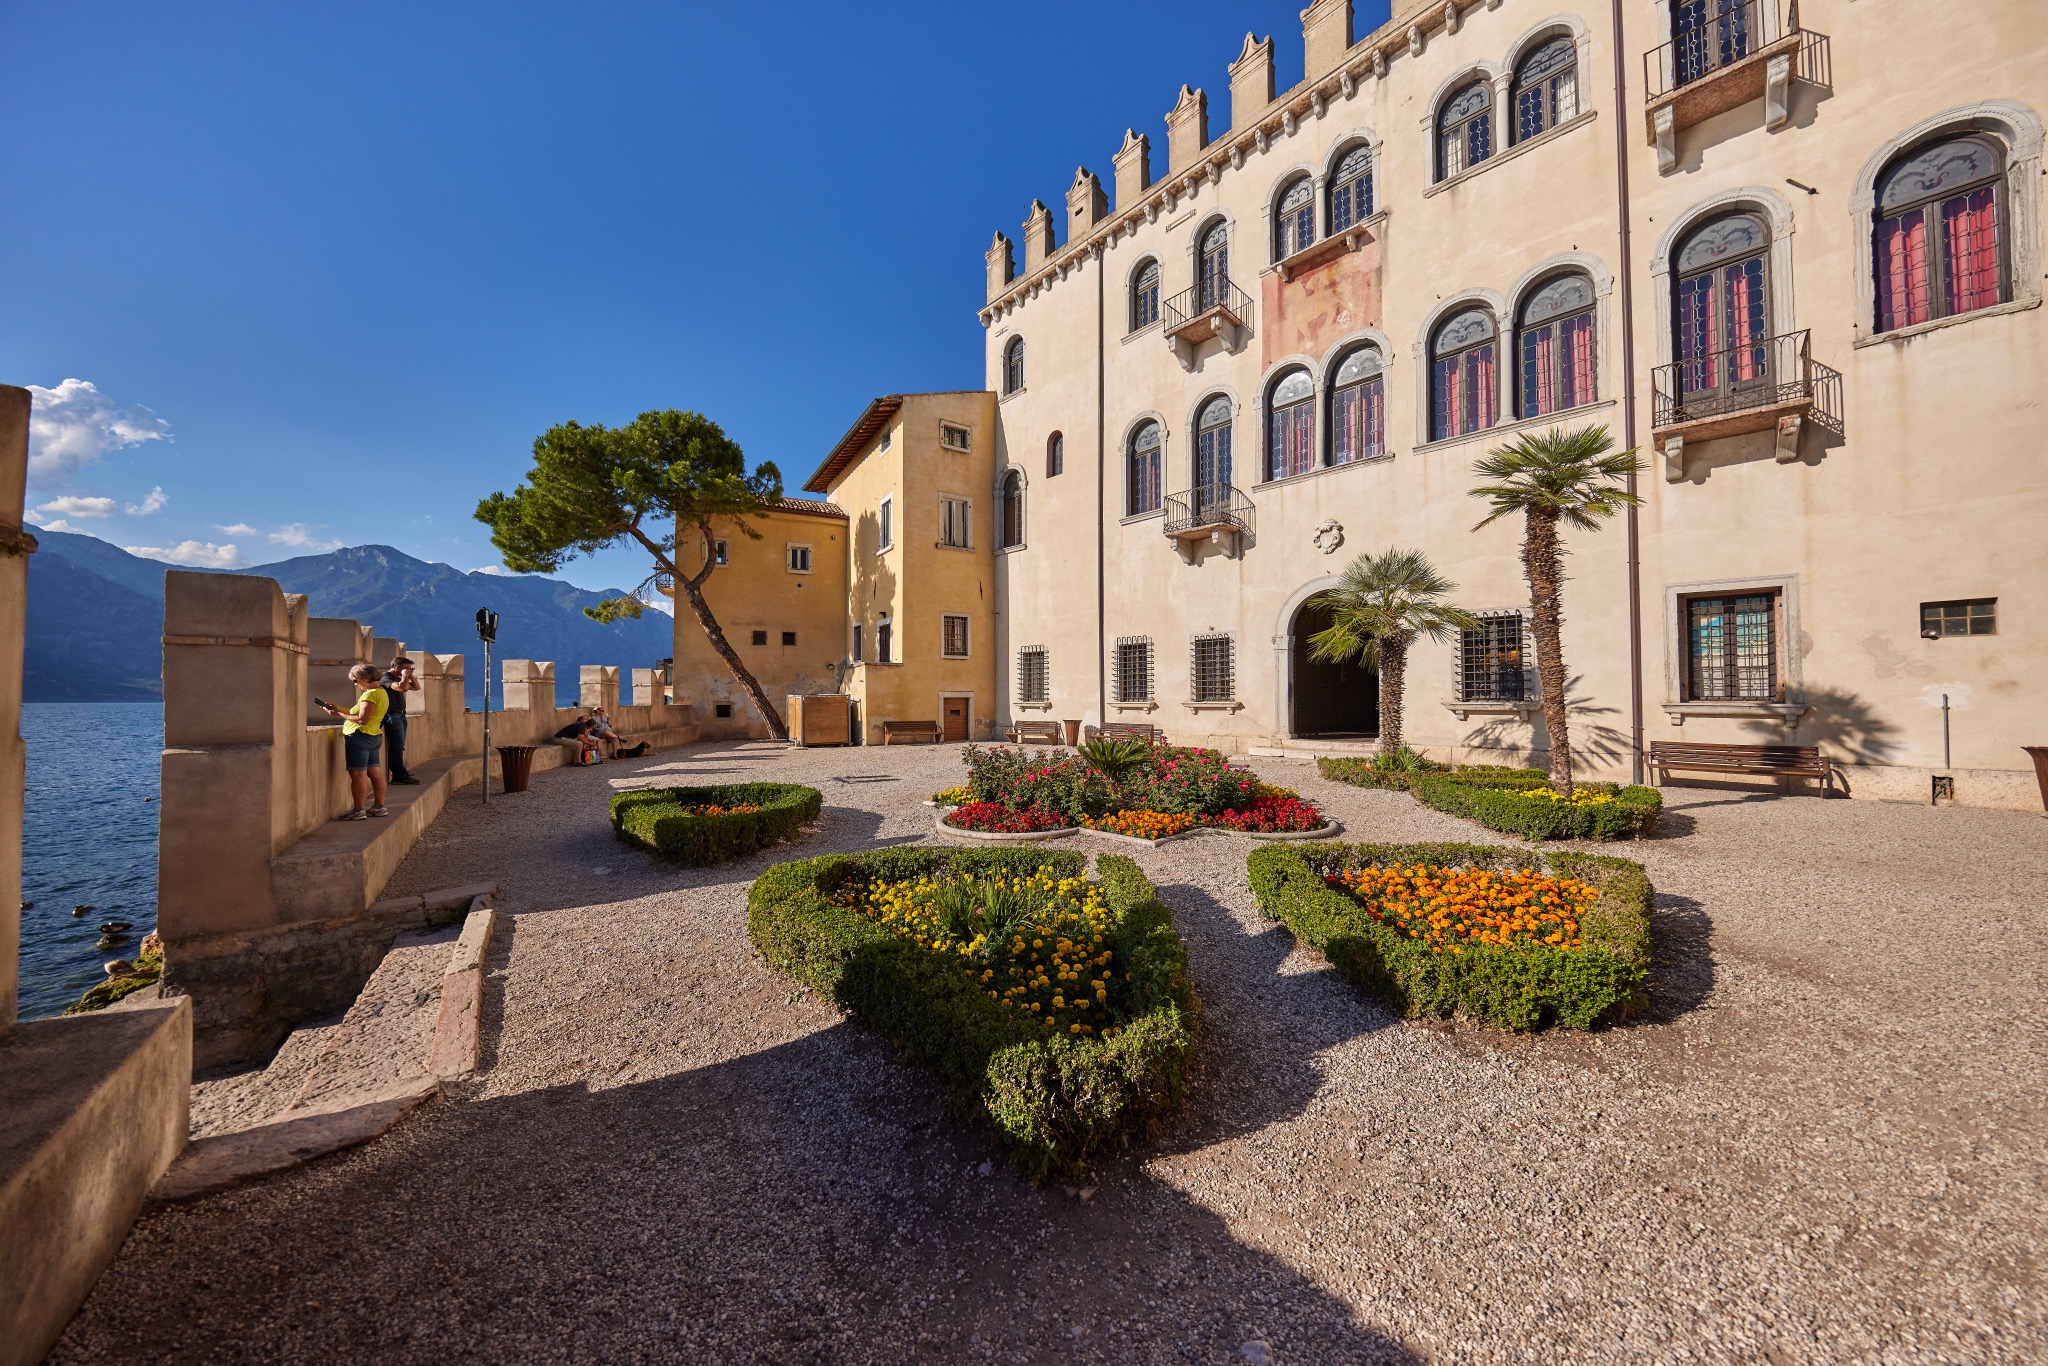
x: 488, y: 569
x: 74, y: 424
x: 79, y: 507
x: 198, y: 554
x: 660, y: 604
x: 299, y: 535
x: 241, y: 529
x: 59, y: 525
x: 153, y: 503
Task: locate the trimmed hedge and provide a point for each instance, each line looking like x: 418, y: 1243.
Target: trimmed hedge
x: 1512, y: 987
x: 1361, y: 773
x: 1053, y: 1100
x: 654, y: 818
x: 1509, y: 808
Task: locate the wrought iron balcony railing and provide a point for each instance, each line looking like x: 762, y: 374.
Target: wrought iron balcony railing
x: 1714, y: 35
x: 1200, y: 511
x: 1754, y: 376
x: 1204, y: 302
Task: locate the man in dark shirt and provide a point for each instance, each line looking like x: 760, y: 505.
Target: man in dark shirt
x: 398, y: 680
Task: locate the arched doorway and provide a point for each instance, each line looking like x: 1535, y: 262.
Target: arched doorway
x: 1331, y: 701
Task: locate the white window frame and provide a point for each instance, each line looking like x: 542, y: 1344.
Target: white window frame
x: 947, y: 501
x: 949, y: 430
x: 885, y: 523
x: 789, y: 557
x: 946, y: 620
x: 721, y: 552
x: 1044, y: 658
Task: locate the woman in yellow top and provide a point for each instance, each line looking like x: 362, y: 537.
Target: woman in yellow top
x: 362, y: 738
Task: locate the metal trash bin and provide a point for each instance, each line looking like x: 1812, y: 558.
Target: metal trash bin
x: 515, y: 766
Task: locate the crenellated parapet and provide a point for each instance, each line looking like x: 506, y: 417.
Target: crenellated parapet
x: 1337, y: 65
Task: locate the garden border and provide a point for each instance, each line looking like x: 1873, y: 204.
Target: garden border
x: 639, y: 819
x: 1002, y: 836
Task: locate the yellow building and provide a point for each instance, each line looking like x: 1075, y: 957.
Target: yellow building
x: 916, y: 474
x: 780, y: 598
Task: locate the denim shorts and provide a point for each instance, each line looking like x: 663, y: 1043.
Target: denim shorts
x: 364, y: 751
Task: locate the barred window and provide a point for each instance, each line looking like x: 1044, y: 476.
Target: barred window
x: 1212, y: 674
x: 1493, y: 660
x: 954, y: 645
x: 1034, y: 679
x: 955, y: 438
x: 1971, y: 617
x: 1134, y: 669
x: 953, y: 513
x: 1731, y: 648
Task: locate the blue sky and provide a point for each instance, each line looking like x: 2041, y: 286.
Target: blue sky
x: 296, y: 276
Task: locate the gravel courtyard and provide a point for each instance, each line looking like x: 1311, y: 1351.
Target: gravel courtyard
x: 1824, y: 1142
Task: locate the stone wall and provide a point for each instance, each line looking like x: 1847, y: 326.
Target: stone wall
x: 267, y: 907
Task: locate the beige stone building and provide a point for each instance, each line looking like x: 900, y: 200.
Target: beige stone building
x: 1792, y: 252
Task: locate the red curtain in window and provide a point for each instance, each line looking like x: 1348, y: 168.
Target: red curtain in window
x: 1745, y: 320
x: 1543, y: 365
x: 1579, y: 385
x: 1969, y: 226
x: 1479, y: 361
x: 1902, y: 271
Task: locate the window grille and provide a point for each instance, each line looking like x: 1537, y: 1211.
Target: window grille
x: 1212, y: 675
x: 1972, y: 617
x: 1034, y: 678
x: 789, y: 637
x: 1731, y: 647
x: 1013, y: 366
x: 1494, y: 660
x: 1134, y: 669
x: 760, y: 637
x: 799, y: 557
x: 953, y: 521
x: 957, y: 438
x: 954, y: 637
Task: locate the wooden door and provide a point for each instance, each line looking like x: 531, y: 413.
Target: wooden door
x: 954, y: 724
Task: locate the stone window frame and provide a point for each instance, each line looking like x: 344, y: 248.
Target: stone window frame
x: 1269, y: 216
x: 1789, y: 647
x: 1003, y: 477
x: 1203, y: 398
x: 1777, y: 214
x: 946, y: 623
x: 1501, y: 77
x: 1543, y: 272
x: 1425, y: 379
x: 1124, y: 450
x: 1013, y: 365
x: 966, y: 522
x: 1150, y: 258
x: 1044, y: 658
x: 2020, y: 130
x: 885, y: 523
x: 789, y: 557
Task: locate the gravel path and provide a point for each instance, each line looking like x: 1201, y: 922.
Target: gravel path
x: 1824, y: 1143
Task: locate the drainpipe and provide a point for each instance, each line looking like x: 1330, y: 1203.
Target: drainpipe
x: 1628, y: 406
x: 1101, y: 510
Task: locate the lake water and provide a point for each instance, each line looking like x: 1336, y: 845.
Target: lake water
x: 88, y: 839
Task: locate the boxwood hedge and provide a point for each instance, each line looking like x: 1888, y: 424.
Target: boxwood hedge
x: 1361, y: 773
x: 1053, y: 1100
x: 657, y: 819
x: 1519, y: 808
x: 1512, y: 987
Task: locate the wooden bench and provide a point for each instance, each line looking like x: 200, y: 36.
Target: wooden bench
x: 1758, y: 761
x: 1131, y: 730
x: 1036, y: 733
x: 924, y: 732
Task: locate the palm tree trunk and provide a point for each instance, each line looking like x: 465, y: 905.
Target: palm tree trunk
x: 1540, y: 562
x: 746, y: 680
x: 1393, y: 652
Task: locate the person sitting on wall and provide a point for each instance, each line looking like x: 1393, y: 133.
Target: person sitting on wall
x: 398, y: 680
x: 589, y: 749
x: 362, y: 741
x: 615, y: 745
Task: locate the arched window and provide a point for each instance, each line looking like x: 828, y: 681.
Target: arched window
x: 1358, y: 408
x: 1722, y: 311
x: 1145, y: 296
x: 1141, y: 477
x: 1546, y: 90
x: 1212, y: 267
x: 1055, y: 454
x: 1291, y: 425
x: 1294, y: 221
x: 1212, y: 451
x: 1351, y: 190
x: 1011, y: 524
x: 1939, y: 246
x: 1465, y: 130
x: 1462, y: 375
x: 1013, y: 365
x: 1554, y: 346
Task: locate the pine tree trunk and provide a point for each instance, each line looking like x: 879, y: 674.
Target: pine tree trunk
x: 1393, y: 678
x: 1540, y: 562
x: 776, y: 729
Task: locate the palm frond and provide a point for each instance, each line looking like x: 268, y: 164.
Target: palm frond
x: 1576, y: 476
x: 1396, y: 595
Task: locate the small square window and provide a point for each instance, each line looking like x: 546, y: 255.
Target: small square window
x: 722, y: 710
x: 798, y: 558
x: 760, y: 637
x: 955, y: 643
x: 789, y: 637
x: 1970, y: 617
x: 955, y: 438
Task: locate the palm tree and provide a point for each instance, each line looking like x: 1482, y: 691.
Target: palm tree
x: 1556, y: 476
x: 1380, y: 605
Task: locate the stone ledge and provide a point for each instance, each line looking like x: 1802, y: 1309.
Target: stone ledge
x: 217, y: 1164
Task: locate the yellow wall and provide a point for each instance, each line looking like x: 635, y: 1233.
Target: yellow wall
x: 755, y: 591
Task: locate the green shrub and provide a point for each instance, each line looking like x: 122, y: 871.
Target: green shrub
x: 1054, y: 1100
x: 657, y: 819
x: 1519, y: 808
x: 1400, y: 774
x: 1515, y: 987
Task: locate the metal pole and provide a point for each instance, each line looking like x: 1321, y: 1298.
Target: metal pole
x: 1626, y: 304
x: 1945, y: 761
x: 487, y: 723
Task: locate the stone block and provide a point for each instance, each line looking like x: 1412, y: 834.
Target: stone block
x: 227, y: 1160
x: 214, y: 840
x: 458, y: 898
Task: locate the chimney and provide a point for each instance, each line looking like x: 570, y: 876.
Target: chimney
x: 1133, y: 169
x: 1000, y: 266
x: 1325, y: 35
x: 1187, y: 130
x: 1251, y: 82
x: 1038, y: 241
x: 1087, y: 205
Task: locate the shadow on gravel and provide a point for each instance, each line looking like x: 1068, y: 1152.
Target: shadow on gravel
x: 1682, y: 958
x: 810, y: 1202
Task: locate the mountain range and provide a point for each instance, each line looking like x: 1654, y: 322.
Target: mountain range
x: 96, y: 614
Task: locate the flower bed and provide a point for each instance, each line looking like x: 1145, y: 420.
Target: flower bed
x: 699, y: 825
x: 1515, y: 939
x: 1159, y: 793
x: 1055, y: 1008
x: 1594, y: 811
x: 952, y: 796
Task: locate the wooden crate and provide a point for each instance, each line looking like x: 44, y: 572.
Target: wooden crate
x: 820, y: 720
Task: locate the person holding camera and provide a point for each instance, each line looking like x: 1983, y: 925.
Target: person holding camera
x: 362, y: 741
x: 398, y: 680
